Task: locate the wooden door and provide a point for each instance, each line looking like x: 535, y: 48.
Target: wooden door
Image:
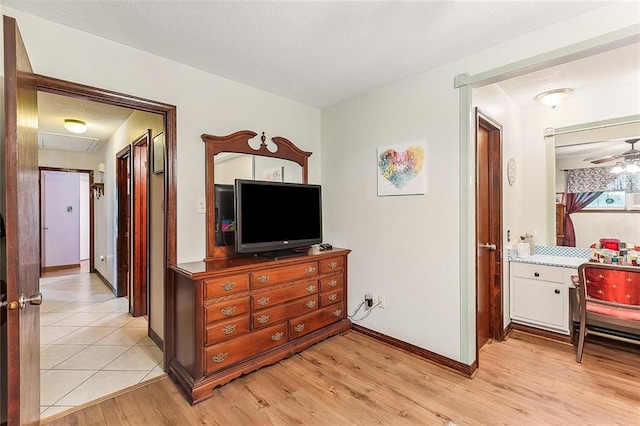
x: 141, y: 224
x: 123, y: 199
x: 20, y: 264
x: 488, y: 230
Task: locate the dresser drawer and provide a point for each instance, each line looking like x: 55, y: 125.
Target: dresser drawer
x: 291, y: 309
x: 331, y: 283
x: 226, y: 309
x: 224, y: 354
x: 331, y: 264
x: 316, y: 320
x: 537, y: 272
x: 271, y: 298
x: 267, y: 277
x: 215, y: 287
x: 331, y: 297
x: 225, y: 330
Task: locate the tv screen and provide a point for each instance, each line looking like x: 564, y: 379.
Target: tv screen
x: 272, y: 218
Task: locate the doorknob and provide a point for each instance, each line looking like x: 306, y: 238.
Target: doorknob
x: 34, y: 299
x: 46, y: 227
x: 489, y: 246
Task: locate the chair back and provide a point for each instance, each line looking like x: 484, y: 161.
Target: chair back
x: 610, y: 284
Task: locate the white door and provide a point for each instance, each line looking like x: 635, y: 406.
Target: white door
x: 60, y: 219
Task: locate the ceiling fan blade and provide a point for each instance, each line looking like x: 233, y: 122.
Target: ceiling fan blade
x: 605, y: 159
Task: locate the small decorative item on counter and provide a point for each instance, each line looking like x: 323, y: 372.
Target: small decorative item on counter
x: 524, y: 249
x: 529, y: 239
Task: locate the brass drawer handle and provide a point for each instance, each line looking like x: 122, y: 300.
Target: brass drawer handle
x: 220, y: 357
x: 263, y: 301
x: 263, y: 279
x: 310, y: 269
x: 333, y: 297
x: 337, y: 312
x: 263, y: 319
x: 299, y: 328
x: 277, y: 336
x: 228, y: 329
x: 310, y: 304
x: 333, y: 283
x: 311, y: 288
x: 332, y: 265
x: 229, y: 310
x: 228, y: 285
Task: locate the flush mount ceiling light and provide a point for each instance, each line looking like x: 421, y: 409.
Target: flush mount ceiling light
x: 552, y: 98
x: 75, y: 126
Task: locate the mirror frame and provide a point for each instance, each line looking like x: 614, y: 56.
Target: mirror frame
x: 238, y: 142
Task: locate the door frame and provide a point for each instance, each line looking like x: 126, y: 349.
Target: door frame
x: 123, y: 224
x: 169, y: 114
x: 494, y: 130
x: 91, y: 210
x: 140, y: 214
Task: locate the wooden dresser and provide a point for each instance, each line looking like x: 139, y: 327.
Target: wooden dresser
x: 235, y: 315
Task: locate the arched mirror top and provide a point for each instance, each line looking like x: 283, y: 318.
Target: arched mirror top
x: 240, y: 143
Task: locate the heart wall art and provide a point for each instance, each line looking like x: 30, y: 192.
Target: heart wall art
x: 401, y: 170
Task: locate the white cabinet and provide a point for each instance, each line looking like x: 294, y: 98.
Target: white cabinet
x: 540, y: 296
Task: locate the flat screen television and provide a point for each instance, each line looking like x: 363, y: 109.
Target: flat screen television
x: 274, y: 218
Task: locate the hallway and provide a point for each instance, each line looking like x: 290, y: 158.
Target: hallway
x: 90, y: 346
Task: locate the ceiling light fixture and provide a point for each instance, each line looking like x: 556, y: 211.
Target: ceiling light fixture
x: 75, y: 126
x: 552, y: 98
x: 630, y: 167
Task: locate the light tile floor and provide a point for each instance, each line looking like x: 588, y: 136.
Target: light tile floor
x: 90, y: 346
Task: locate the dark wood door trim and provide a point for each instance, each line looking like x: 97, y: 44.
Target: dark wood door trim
x: 80, y: 91
x: 123, y: 232
x: 140, y: 214
x: 91, y: 210
x: 494, y: 130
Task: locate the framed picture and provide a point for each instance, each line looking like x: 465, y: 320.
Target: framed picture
x: 158, y: 153
x: 401, y: 170
x: 275, y: 174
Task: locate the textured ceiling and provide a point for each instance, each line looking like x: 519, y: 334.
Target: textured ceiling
x: 314, y: 52
x: 102, y: 122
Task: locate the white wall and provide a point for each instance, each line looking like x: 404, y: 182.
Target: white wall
x: 406, y: 248
x: 205, y: 103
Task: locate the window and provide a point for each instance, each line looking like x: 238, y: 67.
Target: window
x: 615, y: 200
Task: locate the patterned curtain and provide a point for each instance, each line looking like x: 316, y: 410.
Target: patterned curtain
x: 575, y: 202
x: 600, y: 179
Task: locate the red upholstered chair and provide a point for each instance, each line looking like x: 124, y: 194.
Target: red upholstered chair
x: 609, y: 303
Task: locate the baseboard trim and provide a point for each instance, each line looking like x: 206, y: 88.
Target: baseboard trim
x: 542, y: 333
x: 105, y: 282
x: 46, y: 269
x: 156, y: 339
x: 442, y: 361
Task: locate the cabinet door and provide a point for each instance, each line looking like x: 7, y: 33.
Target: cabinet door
x: 542, y: 303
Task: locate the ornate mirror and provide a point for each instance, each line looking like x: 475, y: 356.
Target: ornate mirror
x: 233, y: 157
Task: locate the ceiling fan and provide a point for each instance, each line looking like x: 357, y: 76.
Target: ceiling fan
x: 631, y: 154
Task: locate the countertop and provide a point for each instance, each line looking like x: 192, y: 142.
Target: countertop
x: 550, y: 260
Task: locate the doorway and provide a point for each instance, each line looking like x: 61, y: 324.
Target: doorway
x: 66, y: 216
x: 488, y: 230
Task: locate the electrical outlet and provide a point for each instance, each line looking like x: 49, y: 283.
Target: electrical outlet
x: 368, y: 300
x: 382, y: 302
x: 200, y: 206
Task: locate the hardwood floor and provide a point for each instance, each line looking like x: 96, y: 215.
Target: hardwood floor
x: 355, y: 380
